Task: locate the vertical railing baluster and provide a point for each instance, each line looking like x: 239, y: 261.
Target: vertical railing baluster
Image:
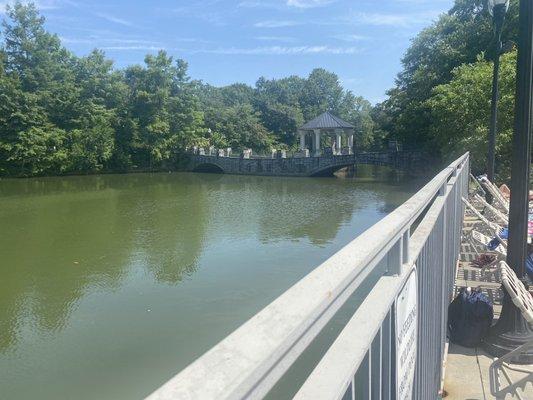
x: 369, y: 369
x: 362, y: 380
x: 386, y: 349
x: 376, y: 366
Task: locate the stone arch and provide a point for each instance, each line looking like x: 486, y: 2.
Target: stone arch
x: 209, y: 168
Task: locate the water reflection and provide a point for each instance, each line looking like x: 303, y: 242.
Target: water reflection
x: 62, y: 236
x: 133, y: 276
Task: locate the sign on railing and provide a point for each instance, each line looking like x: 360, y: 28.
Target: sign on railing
x: 406, y: 312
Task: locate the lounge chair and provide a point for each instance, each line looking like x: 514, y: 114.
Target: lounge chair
x: 496, y: 194
x: 484, y: 236
x: 500, y: 368
x: 476, y: 187
x: 503, y: 218
x: 484, y: 240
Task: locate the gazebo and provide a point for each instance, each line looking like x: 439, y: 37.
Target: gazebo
x: 329, y: 125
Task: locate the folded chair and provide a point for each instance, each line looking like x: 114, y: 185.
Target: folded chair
x: 475, y: 187
x: 503, y: 218
x: 496, y: 194
x: 501, y: 368
x: 491, y: 228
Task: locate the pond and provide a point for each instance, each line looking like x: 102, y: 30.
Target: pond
x: 111, y: 284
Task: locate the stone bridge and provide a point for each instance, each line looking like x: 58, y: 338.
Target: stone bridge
x: 324, y: 165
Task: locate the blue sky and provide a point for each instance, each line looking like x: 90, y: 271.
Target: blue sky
x: 227, y: 41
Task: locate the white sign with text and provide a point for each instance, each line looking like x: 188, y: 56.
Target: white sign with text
x: 406, y: 312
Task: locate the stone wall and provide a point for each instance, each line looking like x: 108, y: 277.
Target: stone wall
x: 280, y: 165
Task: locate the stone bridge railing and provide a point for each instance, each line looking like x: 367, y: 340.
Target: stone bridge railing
x: 298, y: 164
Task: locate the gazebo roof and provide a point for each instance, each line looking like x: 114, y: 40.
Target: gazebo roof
x: 326, y: 121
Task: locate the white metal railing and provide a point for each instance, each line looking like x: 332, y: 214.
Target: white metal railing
x: 424, y: 231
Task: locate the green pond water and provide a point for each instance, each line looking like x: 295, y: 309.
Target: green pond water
x: 109, y: 285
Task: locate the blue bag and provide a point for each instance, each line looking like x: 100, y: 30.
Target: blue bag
x: 504, y: 233
x: 493, y: 244
x: 469, y: 318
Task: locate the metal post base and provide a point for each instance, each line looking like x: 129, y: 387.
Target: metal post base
x: 510, y: 332
x: 498, y: 346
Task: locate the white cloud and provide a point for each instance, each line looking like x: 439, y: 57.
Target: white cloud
x: 260, y: 4
x: 302, y: 4
x: 41, y: 5
x: 308, y: 3
x: 350, y: 37
x: 283, y: 50
x: 133, y: 47
x: 276, y: 24
x: 396, y: 20
x: 112, y: 18
x: 106, y: 42
x: 285, y: 39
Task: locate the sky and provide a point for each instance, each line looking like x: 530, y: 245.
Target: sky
x: 228, y: 41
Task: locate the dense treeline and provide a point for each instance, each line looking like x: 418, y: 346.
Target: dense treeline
x: 441, y: 101
x: 60, y: 113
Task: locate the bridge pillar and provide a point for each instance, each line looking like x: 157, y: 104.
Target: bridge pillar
x: 317, y: 143
x: 350, y: 143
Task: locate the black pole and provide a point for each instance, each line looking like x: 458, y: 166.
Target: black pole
x: 512, y: 330
x: 498, y: 18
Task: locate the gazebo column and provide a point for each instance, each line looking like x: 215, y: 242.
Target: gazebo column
x: 350, y: 142
x: 338, y: 141
x: 302, y: 140
x: 317, y: 143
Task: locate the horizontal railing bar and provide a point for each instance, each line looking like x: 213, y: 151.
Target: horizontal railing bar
x: 249, y: 361
x: 332, y: 375
x: 349, y: 349
x: 420, y: 235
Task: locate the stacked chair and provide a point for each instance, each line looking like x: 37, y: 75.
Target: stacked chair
x: 506, y: 378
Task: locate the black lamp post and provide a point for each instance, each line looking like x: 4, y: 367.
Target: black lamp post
x: 498, y: 9
x: 512, y: 330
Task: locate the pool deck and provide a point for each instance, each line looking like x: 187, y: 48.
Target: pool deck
x: 467, y: 369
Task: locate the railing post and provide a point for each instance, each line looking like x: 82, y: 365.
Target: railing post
x: 395, y: 258
x: 405, y: 242
x: 442, y: 190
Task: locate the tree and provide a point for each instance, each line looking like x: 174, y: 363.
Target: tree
x: 321, y: 92
x: 456, y: 38
x: 60, y: 113
x: 164, y: 108
x: 278, y: 103
x: 357, y: 110
x: 239, y: 127
x: 91, y: 146
x: 460, y: 110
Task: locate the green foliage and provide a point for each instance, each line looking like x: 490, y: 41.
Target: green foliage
x: 278, y: 102
x: 239, y: 127
x: 92, y: 145
x: 65, y: 114
x: 441, y: 101
x: 164, y: 109
x: 460, y: 110
x: 282, y: 105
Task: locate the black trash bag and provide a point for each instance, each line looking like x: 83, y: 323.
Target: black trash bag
x: 469, y: 318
